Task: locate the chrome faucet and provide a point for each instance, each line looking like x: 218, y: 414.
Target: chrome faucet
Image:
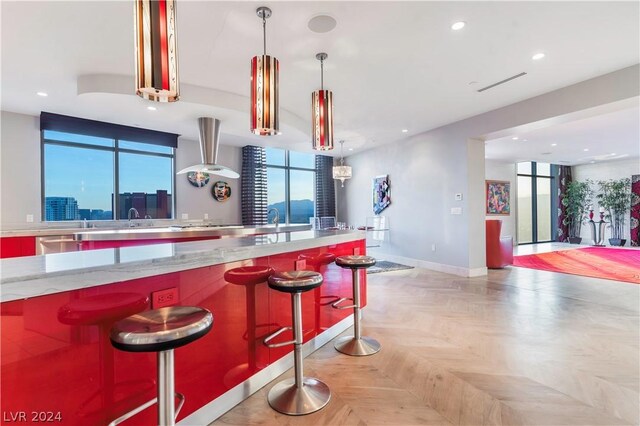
x: 276, y: 217
x: 135, y: 212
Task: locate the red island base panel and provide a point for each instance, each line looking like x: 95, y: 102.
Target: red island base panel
x: 58, y: 365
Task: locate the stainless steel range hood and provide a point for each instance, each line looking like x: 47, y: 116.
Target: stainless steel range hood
x: 209, y: 138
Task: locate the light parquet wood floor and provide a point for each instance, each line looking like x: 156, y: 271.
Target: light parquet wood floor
x: 516, y: 347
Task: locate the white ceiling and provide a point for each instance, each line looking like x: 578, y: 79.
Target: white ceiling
x: 391, y: 65
x: 606, y: 137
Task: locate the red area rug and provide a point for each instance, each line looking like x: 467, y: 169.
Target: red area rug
x: 597, y: 262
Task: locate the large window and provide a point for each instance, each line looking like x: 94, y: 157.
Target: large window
x: 290, y: 185
x: 82, y: 173
x: 534, y: 202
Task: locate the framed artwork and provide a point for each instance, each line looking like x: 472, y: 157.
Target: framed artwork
x: 381, y: 193
x: 221, y: 191
x: 198, y: 179
x: 498, y: 194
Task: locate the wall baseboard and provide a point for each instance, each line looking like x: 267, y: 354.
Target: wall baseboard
x: 440, y: 267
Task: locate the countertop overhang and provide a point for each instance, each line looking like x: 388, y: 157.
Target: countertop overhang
x: 172, y: 232
x: 32, y: 276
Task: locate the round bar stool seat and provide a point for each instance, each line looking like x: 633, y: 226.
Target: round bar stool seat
x: 295, y: 281
x: 102, y: 311
x: 299, y: 395
x: 248, y: 277
x: 355, y: 261
x: 316, y: 261
x: 356, y: 345
x: 161, y: 331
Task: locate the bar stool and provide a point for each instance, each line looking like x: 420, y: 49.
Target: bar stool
x: 102, y: 311
x: 319, y: 263
x: 248, y: 277
x: 161, y: 330
x: 356, y: 345
x: 299, y: 395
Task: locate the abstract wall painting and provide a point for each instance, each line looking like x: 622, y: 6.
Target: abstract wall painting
x: 498, y: 194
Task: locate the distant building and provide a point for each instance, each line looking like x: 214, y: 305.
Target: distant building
x: 61, y: 208
x: 157, y: 205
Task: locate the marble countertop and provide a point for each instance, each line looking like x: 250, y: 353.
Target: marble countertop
x: 32, y: 276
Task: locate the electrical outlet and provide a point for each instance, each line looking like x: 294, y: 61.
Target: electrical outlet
x: 356, y: 251
x: 300, y: 265
x: 433, y: 247
x: 206, y: 215
x: 29, y: 218
x: 162, y: 298
x: 185, y: 215
x: 456, y: 210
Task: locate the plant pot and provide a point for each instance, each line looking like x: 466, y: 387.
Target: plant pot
x: 575, y: 240
x: 617, y: 242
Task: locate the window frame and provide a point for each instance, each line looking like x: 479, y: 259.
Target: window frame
x: 534, y: 199
x: 116, y: 150
x: 287, y: 179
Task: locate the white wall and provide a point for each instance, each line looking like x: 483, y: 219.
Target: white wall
x: 197, y: 201
x: 427, y: 169
x: 500, y: 170
x: 604, y: 171
x: 20, y: 192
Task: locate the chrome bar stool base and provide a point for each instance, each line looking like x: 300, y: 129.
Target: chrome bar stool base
x: 287, y: 398
x: 356, y: 345
x: 299, y: 395
x: 363, y: 346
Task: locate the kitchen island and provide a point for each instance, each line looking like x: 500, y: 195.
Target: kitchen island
x: 56, y: 359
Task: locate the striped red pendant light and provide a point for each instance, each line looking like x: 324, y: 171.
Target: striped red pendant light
x: 265, y: 69
x: 156, y: 50
x: 322, y: 113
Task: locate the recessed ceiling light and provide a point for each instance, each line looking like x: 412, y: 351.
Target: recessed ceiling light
x: 321, y: 24
x: 405, y: 130
x: 586, y: 149
x: 554, y: 144
x: 151, y: 108
x: 537, y: 56
x: 350, y: 149
x: 515, y: 138
x: 592, y: 162
x: 43, y: 94
x: 458, y: 25
x: 524, y: 140
x: 613, y: 153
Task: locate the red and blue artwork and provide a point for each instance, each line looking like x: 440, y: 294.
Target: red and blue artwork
x: 498, y: 197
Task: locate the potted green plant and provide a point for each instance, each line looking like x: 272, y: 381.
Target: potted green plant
x: 576, y: 198
x: 615, y: 197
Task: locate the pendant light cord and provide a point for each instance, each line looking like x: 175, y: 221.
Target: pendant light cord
x: 264, y: 34
x: 341, y: 156
x: 321, y: 74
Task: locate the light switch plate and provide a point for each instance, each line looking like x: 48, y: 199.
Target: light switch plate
x: 206, y: 215
x: 459, y: 196
x: 185, y: 215
x: 456, y: 210
x: 356, y: 251
x: 300, y: 265
x: 29, y: 218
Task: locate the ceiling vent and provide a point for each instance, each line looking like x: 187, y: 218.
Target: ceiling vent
x: 502, y: 82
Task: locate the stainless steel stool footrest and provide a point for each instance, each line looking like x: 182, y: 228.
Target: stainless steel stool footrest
x: 334, y: 299
x: 336, y: 304
x: 144, y: 406
x: 276, y: 334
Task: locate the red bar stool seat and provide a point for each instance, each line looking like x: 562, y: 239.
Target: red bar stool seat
x: 102, y: 311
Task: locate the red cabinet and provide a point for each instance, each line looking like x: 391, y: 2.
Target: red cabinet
x: 17, y: 247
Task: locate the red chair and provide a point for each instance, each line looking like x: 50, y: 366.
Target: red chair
x: 499, y: 250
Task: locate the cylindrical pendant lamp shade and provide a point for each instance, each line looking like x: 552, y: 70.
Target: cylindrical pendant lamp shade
x: 265, y: 120
x: 322, y: 120
x: 156, y: 53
